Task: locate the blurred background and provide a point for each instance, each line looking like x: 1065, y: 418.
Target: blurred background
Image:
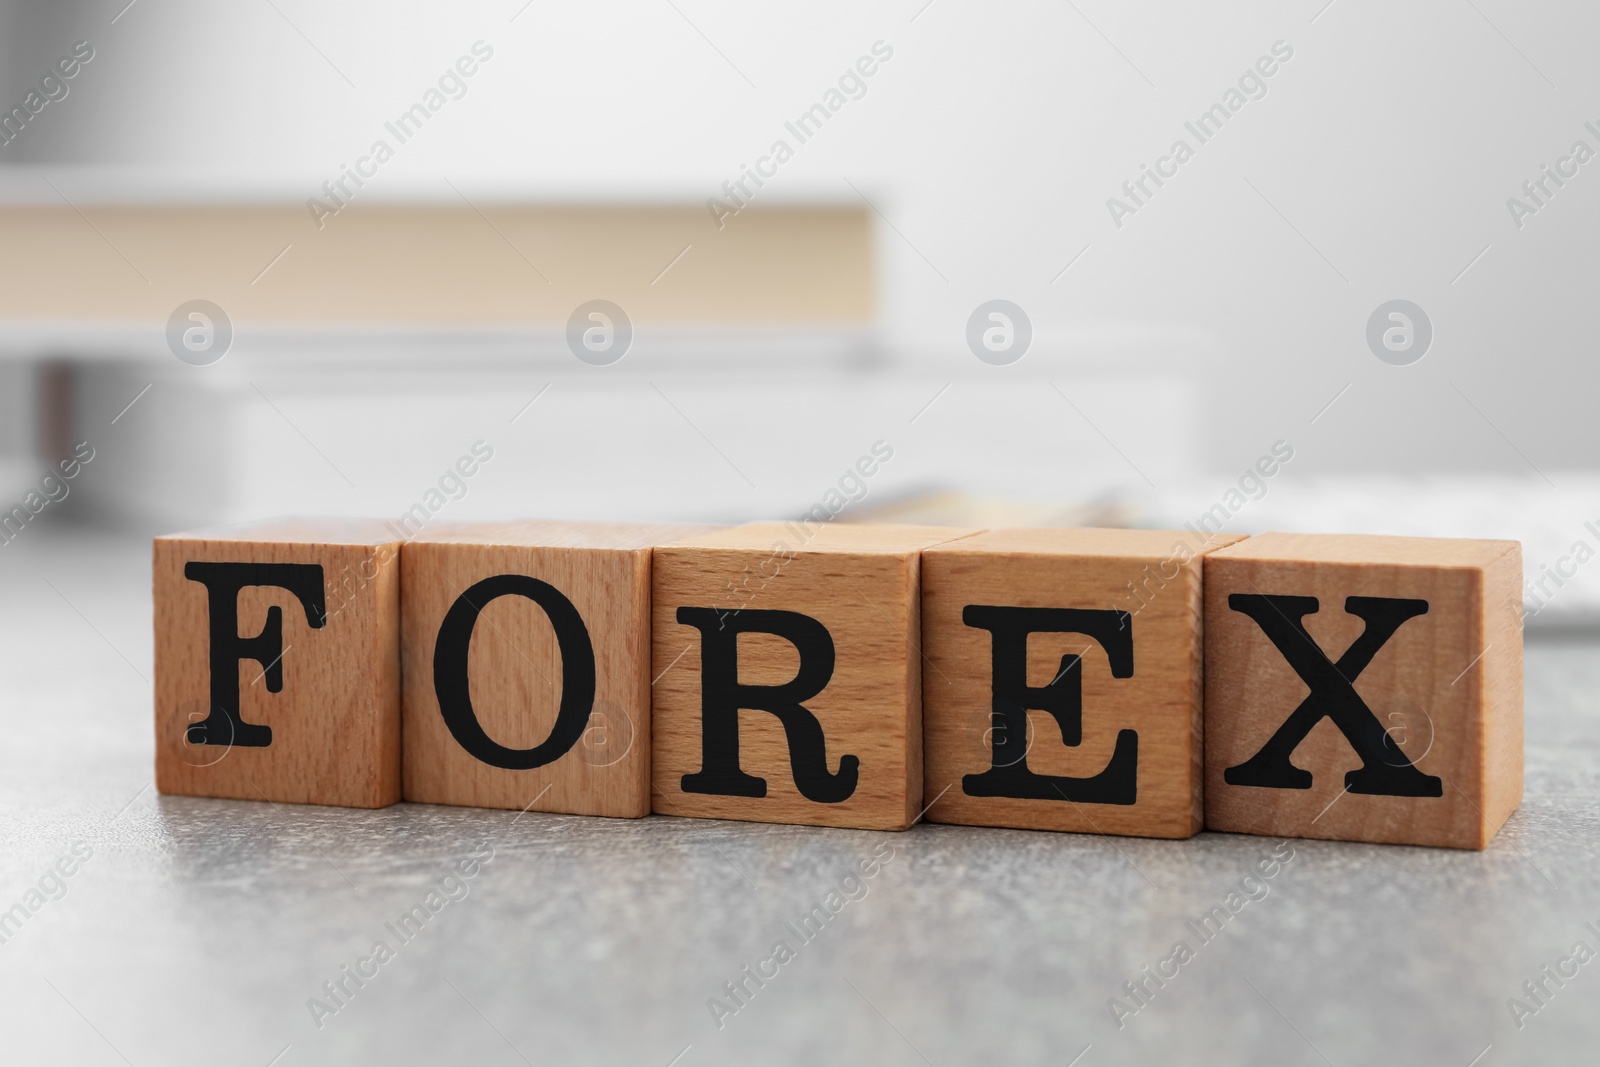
x: 288, y: 257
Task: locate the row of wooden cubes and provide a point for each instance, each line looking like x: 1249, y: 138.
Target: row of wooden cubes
x: 1135, y: 682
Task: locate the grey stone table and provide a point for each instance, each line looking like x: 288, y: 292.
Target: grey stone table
x: 203, y: 932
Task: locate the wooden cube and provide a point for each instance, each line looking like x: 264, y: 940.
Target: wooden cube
x: 526, y: 658
x: 788, y: 681
x: 277, y: 660
x: 1364, y: 688
x: 1061, y: 688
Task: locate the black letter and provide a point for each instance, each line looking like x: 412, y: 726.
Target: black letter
x: 223, y: 582
x: 722, y: 696
x: 1384, y: 771
x: 455, y: 695
x: 1012, y: 696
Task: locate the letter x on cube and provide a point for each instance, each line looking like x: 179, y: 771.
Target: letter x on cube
x: 1364, y: 688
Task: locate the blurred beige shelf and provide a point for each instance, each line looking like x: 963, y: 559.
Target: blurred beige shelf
x: 473, y: 264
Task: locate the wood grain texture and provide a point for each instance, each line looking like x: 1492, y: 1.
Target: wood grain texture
x: 1155, y: 577
x: 863, y: 584
x: 336, y: 721
x: 1446, y: 686
x: 515, y: 665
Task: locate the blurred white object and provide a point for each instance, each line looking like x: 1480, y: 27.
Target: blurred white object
x: 680, y: 435
x: 1558, y: 524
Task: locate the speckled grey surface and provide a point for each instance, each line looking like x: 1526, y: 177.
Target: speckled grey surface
x: 198, y: 930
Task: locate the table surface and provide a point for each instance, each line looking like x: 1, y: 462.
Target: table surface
x: 199, y: 931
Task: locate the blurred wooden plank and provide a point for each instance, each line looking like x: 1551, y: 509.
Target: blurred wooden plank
x: 490, y: 263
